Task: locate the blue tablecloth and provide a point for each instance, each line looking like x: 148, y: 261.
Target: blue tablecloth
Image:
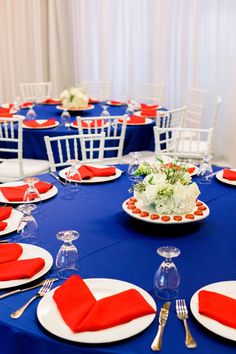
x: 137, y: 138
x: 114, y: 245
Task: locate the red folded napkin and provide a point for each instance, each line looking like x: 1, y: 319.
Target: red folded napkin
x: 81, y: 312
x: 134, y: 120
x: 87, y: 172
x: 148, y: 106
x: 51, y: 101
x: 3, y: 225
x: 116, y: 103
x: 35, y: 124
x: 24, y: 268
x: 191, y: 169
x: 98, y: 123
x: 5, y: 110
x: 230, y: 175
x: 6, y: 115
x: 10, y: 252
x: 93, y: 100
x: 27, y: 104
x: 218, y: 307
x: 149, y: 112
x: 5, y: 212
x: 16, y: 193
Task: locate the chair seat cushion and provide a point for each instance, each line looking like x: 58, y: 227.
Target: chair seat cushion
x: 9, y: 169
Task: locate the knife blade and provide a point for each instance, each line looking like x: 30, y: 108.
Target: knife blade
x: 24, y: 289
x: 57, y: 178
x: 163, y: 316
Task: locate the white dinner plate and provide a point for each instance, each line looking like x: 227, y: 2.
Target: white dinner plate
x: 30, y: 251
x: 12, y: 222
x: 219, y: 176
x: 151, y: 211
x: 44, y: 196
x: 87, y: 108
x: 51, y: 320
x: 63, y: 174
x: 147, y: 121
x: 41, y: 121
x: 227, y: 288
x: 139, y: 113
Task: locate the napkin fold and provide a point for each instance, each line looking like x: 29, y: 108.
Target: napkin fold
x: 27, y: 104
x: 115, y: 103
x: 93, y: 100
x: 51, y: 101
x: 3, y: 225
x: 134, y: 120
x: 230, y: 175
x: 218, y: 307
x: 16, y: 193
x: 87, y: 172
x: 5, y: 212
x: 35, y: 123
x: 82, y: 312
x: 10, y: 252
x: 24, y: 268
x: 148, y: 106
x: 149, y: 112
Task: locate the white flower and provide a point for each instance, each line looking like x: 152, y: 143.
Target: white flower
x: 74, y: 97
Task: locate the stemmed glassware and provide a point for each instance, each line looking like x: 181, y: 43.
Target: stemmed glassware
x: 31, y: 114
x: 105, y: 113
x: 133, y: 166
x: 205, y: 171
x: 67, y: 260
x: 167, y: 278
x: 32, y: 194
x: 66, y: 119
x: 73, y: 178
x: 28, y: 226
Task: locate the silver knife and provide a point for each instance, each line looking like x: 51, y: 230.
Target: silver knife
x: 163, y: 316
x: 24, y: 289
x: 57, y: 178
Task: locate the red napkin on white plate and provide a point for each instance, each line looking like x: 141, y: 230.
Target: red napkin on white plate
x: 10, y: 252
x: 148, y: 106
x: 35, y: 124
x: 87, y: 172
x: 82, y: 312
x: 93, y: 100
x: 115, y: 103
x: 5, y: 212
x: 134, y: 120
x: 16, y: 193
x: 218, y: 307
x: 20, y: 269
x: 229, y: 174
x: 27, y: 104
x: 51, y: 101
x: 148, y: 112
x: 98, y: 123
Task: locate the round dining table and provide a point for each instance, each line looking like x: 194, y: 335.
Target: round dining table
x: 114, y: 245
x: 138, y: 137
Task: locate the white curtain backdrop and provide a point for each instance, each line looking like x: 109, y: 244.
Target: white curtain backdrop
x: 181, y: 43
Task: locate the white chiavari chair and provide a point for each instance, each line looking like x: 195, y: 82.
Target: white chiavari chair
x: 11, y: 145
x: 87, y: 148
x: 195, y: 102
x: 35, y: 91
x: 114, y: 128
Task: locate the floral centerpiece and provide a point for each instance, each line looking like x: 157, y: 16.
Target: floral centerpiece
x: 166, y: 187
x: 74, y: 97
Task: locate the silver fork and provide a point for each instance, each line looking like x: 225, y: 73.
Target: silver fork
x: 42, y: 291
x: 182, y: 314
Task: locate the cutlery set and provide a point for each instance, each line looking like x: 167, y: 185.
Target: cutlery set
x: 45, y: 288
x: 182, y: 314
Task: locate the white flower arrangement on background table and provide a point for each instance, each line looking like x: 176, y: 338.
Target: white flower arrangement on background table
x: 74, y: 97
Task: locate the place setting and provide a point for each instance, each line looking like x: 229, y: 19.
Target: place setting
x: 40, y: 123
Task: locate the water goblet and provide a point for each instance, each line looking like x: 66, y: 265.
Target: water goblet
x: 67, y: 259
x: 28, y: 226
x: 205, y: 171
x: 32, y: 194
x: 167, y: 278
x: 66, y: 119
x: 31, y: 114
x: 133, y: 166
x: 105, y: 113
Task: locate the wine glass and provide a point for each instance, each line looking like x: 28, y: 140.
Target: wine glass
x: 32, y: 194
x: 67, y: 260
x: 73, y: 178
x: 66, y: 119
x: 105, y: 113
x: 205, y: 171
x: 28, y: 226
x: 31, y: 114
x: 167, y: 278
x: 133, y: 166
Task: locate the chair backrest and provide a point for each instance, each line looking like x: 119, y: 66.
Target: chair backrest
x: 88, y: 148
x: 11, y: 143
x: 184, y: 143
x: 172, y: 118
x: 216, y: 112
x: 150, y: 93
x: 114, y: 128
x: 195, y: 102
x: 97, y: 89
x: 35, y: 91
